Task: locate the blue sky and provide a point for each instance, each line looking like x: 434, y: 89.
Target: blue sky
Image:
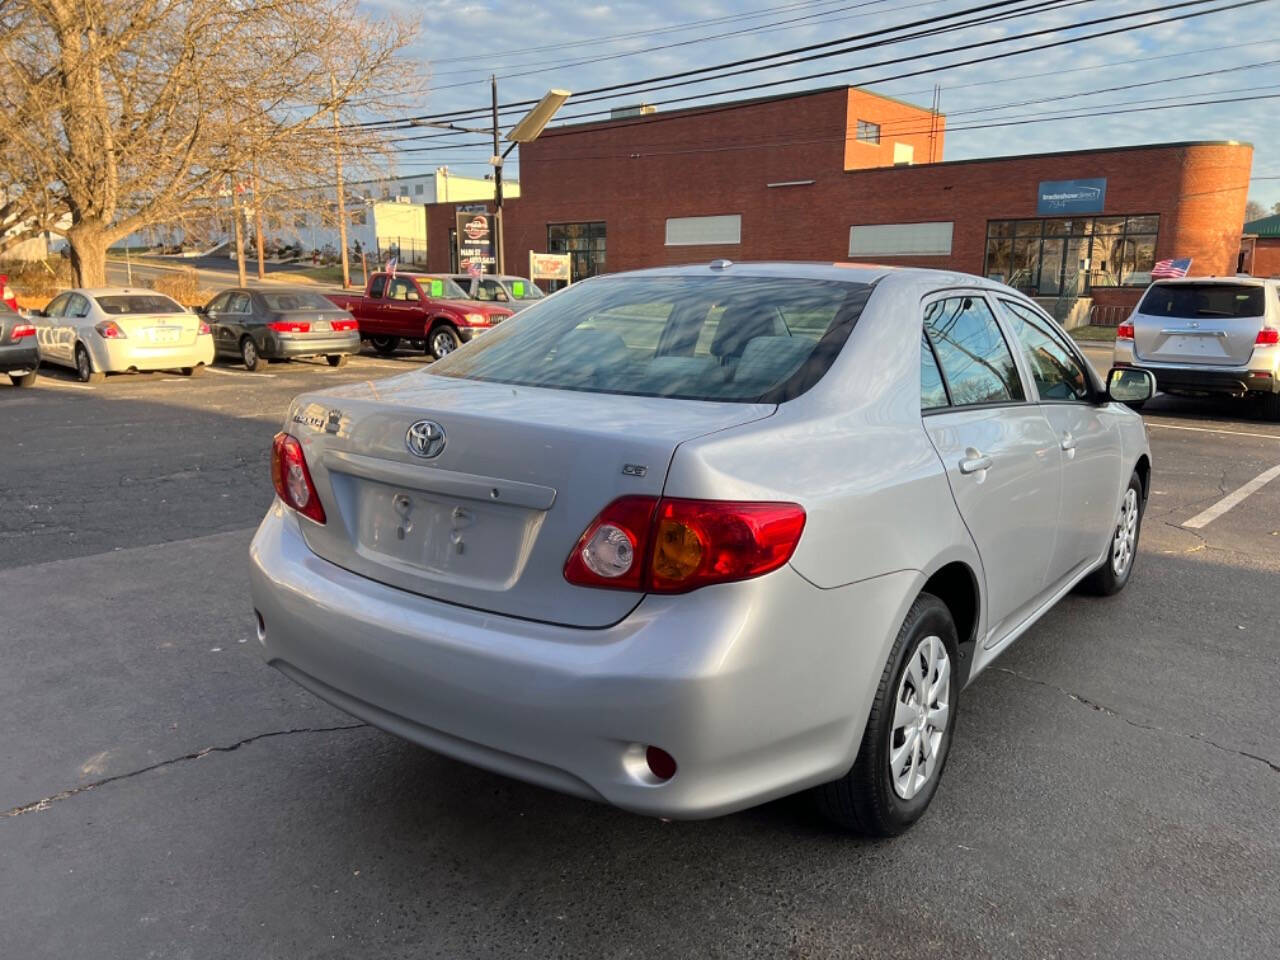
x: 534, y: 46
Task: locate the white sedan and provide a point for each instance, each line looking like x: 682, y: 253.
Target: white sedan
x: 689, y: 539
x: 122, y: 330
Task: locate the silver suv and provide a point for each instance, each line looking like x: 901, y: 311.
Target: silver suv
x: 1208, y: 336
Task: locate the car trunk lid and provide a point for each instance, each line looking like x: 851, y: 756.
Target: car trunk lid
x: 159, y: 329
x: 1210, y: 323
x: 311, y: 323
x: 489, y: 520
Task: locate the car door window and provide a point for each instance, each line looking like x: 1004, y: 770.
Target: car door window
x: 57, y: 306
x: 379, y: 284
x: 77, y: 306
x: 402, y: 289
x: 933, y: 392
x: 491, y: 290
x: 238, y: 303
x: 1057, y: 372
x: 976, y: 361
x: 218, y: 303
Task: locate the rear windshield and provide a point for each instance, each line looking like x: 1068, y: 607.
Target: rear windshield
x: 119, y: 304
x: 296, y: 301
x: 1203, y: 300
x: 697, y: 338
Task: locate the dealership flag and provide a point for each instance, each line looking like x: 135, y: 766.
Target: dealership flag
x: 1165, y: 269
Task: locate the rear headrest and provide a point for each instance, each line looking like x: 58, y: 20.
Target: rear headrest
x: 590, y: 349
x: 770, y: 360
x: 740, y: 324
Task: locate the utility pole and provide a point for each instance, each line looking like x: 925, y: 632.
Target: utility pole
x: 239, y: 218
x: 342, y: 199
x: 257, y: 216
x: 498, y: 240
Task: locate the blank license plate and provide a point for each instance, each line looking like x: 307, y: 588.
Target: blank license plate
x: 165, y: 334
x: 321, y: 326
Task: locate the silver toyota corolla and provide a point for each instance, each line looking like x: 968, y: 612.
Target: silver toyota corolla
x: 685, y: 540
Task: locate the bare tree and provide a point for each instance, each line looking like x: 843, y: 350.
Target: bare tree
x: 120, y: 114
x: 1253, y: 210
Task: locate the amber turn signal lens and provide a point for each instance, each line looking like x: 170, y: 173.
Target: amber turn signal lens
x: 678, y: 551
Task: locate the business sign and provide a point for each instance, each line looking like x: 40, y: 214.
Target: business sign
x: 476, y: 249
x: 550, y: 266
x: 472, y: 208
x: 1057, y: 197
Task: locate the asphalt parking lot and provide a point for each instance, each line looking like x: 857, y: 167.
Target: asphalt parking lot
x: 1114, y: 789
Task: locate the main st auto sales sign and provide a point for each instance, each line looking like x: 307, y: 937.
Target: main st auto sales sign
x: 476, y: 252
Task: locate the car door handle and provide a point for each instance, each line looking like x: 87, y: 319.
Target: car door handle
x: 974, y: 461
x: 1068, y: 442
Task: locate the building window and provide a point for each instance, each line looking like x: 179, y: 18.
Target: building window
x: 868, y: 132
x: 697, y: 231
x: 901, y: 240
x: 584, y: 242
x: 417, y: 188
x: 1066, y: 257
x: 359, y: 218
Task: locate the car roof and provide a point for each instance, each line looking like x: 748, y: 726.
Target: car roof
x: 1234, y: 281
x: 843, y: 272
x: 118, y: 291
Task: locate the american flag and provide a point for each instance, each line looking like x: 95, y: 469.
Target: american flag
x: 1167, y: 269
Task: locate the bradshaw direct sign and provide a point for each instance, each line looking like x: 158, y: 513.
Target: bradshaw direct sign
x: 1071, y: 196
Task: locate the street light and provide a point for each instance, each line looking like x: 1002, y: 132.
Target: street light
x: 527, y: 130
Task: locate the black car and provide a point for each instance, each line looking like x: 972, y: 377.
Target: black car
x: 280, y: 323
x: 19, y: 356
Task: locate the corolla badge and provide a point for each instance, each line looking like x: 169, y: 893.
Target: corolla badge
x: 425, y: 439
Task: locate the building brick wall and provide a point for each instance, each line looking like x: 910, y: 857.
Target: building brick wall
x: 899, y: 123
x: 1266, y: 257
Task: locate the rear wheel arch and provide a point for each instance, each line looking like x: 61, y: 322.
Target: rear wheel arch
x: 956, y: 585
x: 1143, y: 469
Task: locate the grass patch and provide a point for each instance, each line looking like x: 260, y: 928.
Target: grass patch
x: 1094, y: 333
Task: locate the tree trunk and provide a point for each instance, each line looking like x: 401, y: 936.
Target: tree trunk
x: 239, y: 217
x: 257, y: 217
x: 88, y: 244
x: 342, y: 200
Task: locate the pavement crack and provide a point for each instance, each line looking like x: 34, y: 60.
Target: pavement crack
x: 1103, y: 708
x: 46, y: 802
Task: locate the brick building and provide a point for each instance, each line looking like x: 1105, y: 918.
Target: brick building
x: 1260, y: 247
x: 840, y: 174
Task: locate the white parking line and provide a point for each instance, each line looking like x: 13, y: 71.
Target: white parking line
x: 1232, y: 433
x: 1232, y: 498
x: 238, y: 373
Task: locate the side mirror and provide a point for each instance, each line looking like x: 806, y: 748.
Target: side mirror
x: 1130, y: 385
x: 200, y: 309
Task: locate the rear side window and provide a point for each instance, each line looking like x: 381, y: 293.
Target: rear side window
x: 296, y: 300
x: 693, y: 337
x: 1057, y: 372
x: 972, y: 352
x: 377, y: 286
x: 401, y: 289
x: 1204, y: 300
x: 933, y: 392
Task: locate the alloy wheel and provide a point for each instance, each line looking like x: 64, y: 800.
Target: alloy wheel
x: 83, y: 367
x: 1126, y: 538
x: 921, y: 710
x: 443, y: 343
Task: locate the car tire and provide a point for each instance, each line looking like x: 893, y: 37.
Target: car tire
x: 1271, y: 406
x: 1136, y: 405
x: 84, y: 366
x: 443, y: 341
x: 27, y: 379
x: 196, y: 371
x: 1110, y: 578
x: 337, y: 359
x: 384, y: 346
x: 875, y: 798
x: 249, y: 354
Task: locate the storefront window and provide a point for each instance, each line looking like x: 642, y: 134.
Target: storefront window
x: 585, y: 242
x: 1066, y: 257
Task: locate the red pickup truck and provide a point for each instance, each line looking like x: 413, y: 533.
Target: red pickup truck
x: 419, y: 308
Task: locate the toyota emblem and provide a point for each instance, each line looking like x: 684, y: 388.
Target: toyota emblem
x: 425, y: 439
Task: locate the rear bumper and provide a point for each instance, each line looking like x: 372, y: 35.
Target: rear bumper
x: 114, y: 356
x: 1258, y: 376
x: 21, y: 356
x: 279, y: 347
x: 758, y: 689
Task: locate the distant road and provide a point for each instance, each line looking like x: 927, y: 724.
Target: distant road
x: 212, y: 272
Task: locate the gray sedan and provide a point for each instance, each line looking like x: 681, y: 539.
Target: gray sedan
x: 281, y: 323
x: 513, y: 292
x: 689, y: 539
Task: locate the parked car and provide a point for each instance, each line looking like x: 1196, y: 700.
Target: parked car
x: 19, y: 357
x: 281, y: 323
x: 122, y: 329
x: 419, y: 308
x: 689, y: 539
x: 514, y: 292
x: 1207, y: 336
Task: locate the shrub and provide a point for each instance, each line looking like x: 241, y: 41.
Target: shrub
x: 35, y: 279
x: 183, y: 285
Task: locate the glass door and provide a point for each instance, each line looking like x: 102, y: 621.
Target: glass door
x: 1051, y: 260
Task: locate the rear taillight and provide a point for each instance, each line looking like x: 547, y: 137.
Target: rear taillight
x: 1124, y: 331
x: 22, y: 330
x: 110, y: 330
x: 203, y: 329
x: 292, y: 479
x: 289, y: 326
x: 1267, y: 336
x: 674, y: 546
x: 341, y: 326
